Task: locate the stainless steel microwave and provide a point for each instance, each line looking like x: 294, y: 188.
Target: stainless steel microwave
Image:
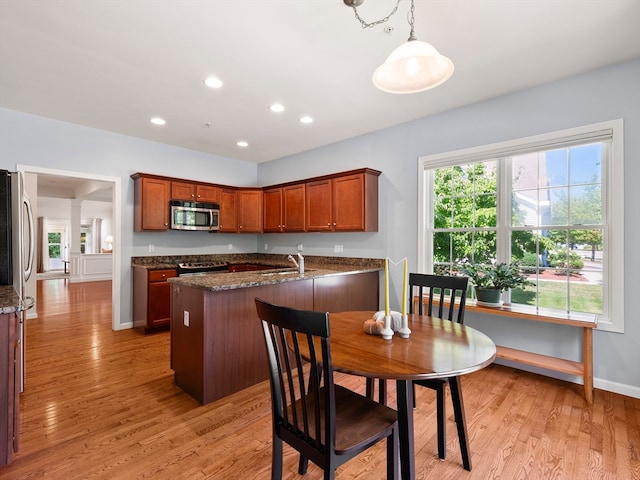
x: 194, y: 216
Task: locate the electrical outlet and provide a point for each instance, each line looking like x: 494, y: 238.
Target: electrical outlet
x: 266, y: 246
x: 337, y: 249
x: 185, y: 318
x: 152, y: 248
x: 300, y: 246
x: 230, y: 246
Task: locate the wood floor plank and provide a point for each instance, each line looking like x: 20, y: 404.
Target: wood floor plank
x: 102, y: 404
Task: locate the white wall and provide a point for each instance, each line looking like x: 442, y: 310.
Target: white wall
x: 589, y: 98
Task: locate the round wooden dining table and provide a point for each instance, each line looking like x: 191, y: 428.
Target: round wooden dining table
x: 435, y: 348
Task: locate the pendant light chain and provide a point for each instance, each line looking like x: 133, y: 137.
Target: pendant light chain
x: 412, y: 35
x: 378, y: 22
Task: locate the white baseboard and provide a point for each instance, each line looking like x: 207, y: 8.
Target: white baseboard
x: 615, y: 387
x: 600, y: 383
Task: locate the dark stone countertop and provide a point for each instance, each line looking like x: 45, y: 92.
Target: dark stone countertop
x: 9, y: 300
x: 229, y: 281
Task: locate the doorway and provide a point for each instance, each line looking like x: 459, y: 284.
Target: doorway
x: 63, y: 177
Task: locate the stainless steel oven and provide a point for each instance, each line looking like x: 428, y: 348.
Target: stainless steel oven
x: 195, y: 216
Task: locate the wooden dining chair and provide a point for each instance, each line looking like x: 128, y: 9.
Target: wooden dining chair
x: 444, y: 297
x: 327, y: 423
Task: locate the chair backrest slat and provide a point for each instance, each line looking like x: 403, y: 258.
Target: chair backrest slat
x: 451, y: 298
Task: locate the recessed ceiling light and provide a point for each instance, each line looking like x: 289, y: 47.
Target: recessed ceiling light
x: 306, y: 119
x: 213, y: 82
x: 276, y: 107
x: 242, y: 143
x: 158, y: 121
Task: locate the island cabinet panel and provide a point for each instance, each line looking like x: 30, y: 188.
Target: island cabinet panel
x: 222, y: 349
x: 151, y: 203
x: 284, y: 209
x: 343, y: 293
x: 152, y: 298
x: 250, y: 210
x: 344, y: 203
x: 228, y: 210
x: 9, y: 389
x: 194, y: 192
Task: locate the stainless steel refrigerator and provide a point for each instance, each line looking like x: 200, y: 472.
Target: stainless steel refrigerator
x: 17, y: 246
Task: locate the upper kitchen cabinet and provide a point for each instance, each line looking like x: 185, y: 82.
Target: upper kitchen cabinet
x: 346, y: 202
x: 194, y: 192
x: 249, y: 210
x: 151, y: 203
x: 284, y: 209
x: 228, y: 210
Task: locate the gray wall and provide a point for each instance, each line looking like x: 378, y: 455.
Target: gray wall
x: 589, y: 98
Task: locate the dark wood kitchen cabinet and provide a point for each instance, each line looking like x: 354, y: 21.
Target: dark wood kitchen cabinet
x: 151, y: 203
x: 343, y: 203
x: 152, y: 298
x: 195, y: 192
x: 284, y: 209
x: 250, y: 210
x: 228, y: 210
x: 9, y: 389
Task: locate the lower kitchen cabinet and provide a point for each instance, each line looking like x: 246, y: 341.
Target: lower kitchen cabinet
x: 9, y: 389
x: 152, y: 298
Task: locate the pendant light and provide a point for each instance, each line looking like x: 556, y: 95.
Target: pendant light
x: 413, y: 67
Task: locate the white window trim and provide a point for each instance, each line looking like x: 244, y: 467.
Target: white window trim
x: 612, y: 319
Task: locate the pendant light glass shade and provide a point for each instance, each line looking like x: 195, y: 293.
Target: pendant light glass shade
x: 413, y: 67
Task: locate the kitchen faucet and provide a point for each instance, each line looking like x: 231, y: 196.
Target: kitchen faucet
x: 299, y: 264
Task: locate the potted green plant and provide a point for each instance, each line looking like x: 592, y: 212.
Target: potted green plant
x: 490, y: 280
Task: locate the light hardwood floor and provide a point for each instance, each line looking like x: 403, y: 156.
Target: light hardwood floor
x: 101, y: 404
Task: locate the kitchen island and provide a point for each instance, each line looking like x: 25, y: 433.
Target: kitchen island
x: 217, y: 344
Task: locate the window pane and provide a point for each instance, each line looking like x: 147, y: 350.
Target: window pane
x: 586, y: 205
x: 558, y: 205
x: 441, y: 247
x: 586, y: 164
x: 442, y: 212
x: 462, y: 246
x: 484, y: 247
x: 555, y: 168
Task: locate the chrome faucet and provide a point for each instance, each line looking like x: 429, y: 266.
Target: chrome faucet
x: 299, y: 264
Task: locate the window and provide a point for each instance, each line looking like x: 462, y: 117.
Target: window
x: 54, y: 245
x: 553, y: 203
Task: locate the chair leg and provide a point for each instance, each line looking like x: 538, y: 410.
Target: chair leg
x: 382, y: 390
x: 392, y: 455
x: 303, y: 463
x: 461, y: 422
x: 276, y: 459
x: 370, y: 386
x: 442, y: 422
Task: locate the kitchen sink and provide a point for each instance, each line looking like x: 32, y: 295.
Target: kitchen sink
x: 283, y: 271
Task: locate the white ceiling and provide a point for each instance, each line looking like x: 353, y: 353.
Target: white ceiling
x: 114, y: 64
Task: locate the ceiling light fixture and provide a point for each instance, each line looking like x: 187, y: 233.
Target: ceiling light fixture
x: 412, y: 67
x: 242, y: 144
x: 158, y: 121
x: 213, y: 82
x: 306, y: 119
x: 276, y: 107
